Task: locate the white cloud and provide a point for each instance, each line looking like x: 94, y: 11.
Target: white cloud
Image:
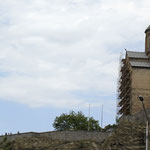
x: 50, y: 49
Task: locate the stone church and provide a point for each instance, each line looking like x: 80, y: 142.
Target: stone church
x: 135, y: 80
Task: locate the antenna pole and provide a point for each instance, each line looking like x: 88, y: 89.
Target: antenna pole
x: 102, y: 117
x: 89, y: 119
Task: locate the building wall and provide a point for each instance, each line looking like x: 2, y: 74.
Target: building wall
x: 140, y: 86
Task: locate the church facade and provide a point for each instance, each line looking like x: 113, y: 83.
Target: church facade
x: 135, y: 80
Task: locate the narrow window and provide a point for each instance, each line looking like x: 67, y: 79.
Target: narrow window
x: 148, y: 42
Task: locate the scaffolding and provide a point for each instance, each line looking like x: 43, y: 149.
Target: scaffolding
x: 124, y: 89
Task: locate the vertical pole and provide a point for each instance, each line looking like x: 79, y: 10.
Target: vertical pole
x: 147, y: 124
x: 147, y: 135
x: 102, y: 117
x: 147, y: 120
x: 89, y: 119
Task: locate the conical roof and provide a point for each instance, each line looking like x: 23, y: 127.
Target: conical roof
x: 148, y: 28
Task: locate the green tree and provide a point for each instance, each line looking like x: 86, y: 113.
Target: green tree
x: 75, y: 121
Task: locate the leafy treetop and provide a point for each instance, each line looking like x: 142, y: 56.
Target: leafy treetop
x: 75, y: 121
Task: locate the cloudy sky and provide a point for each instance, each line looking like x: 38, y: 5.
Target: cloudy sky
x: 62, y: 55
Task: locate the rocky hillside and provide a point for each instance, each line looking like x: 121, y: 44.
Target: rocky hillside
x: 46, y: 143
x: 129, y: 135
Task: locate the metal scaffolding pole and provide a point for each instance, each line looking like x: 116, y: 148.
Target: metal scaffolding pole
x: 147, y: 120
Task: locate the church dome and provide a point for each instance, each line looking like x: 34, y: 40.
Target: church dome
x: 148, y: 28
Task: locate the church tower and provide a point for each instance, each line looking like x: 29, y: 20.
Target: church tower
x: 135, y: 80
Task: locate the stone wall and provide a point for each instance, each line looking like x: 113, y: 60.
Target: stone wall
x: 63, y: 135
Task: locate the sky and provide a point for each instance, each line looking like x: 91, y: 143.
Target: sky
x: 62, y: 55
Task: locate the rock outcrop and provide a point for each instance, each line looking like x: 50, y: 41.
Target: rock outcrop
x: 127, y: 136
